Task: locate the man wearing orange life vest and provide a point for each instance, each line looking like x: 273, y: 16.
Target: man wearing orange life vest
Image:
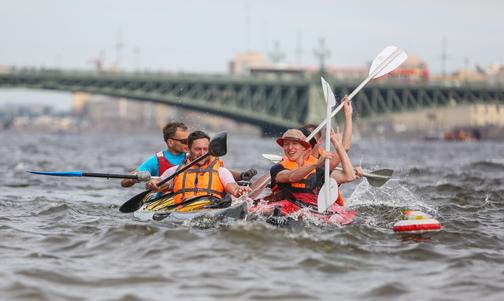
x: 299, y: 176
x: 207, y: 177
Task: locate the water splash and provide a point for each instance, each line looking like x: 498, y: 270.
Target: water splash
x: 393, y: 194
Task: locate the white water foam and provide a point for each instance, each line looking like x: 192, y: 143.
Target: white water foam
x: 392, y: 194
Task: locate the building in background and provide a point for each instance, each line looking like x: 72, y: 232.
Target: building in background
x: 244, y: 62
x: 256, y: 64
x: 104, y: 112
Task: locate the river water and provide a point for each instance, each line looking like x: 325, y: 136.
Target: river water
x: 64, y: 238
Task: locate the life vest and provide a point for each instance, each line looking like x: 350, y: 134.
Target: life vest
x: 312, y: 159
x: 198, y: 180
x: 163, y: 163
x: 307, y: 185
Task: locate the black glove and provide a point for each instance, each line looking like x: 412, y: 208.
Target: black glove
x: 248, y: 174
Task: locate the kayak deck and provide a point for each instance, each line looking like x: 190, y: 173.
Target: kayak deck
x: 163, y: 209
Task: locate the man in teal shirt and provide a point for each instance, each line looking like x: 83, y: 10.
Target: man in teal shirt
x: 175, y: 135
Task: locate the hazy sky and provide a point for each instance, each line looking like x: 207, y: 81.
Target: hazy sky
x: 202, y: 36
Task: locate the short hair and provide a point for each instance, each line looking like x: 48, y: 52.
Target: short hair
x: 195, y: 136
x: 170, y: 129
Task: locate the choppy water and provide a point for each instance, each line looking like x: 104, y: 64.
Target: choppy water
x: 64, y: 238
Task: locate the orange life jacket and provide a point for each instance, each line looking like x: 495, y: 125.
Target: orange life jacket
x: 199, y: 180
x: 307, y: 184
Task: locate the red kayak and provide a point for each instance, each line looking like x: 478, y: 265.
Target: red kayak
x: 336, y: 214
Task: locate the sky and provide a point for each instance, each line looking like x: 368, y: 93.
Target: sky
x: 203, y: 36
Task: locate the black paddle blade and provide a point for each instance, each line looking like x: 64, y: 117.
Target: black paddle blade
x: 218, y: 145
x: 382, y: 176
x: 134, y: 203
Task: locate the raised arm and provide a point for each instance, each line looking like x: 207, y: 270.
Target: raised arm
x: 348, y: 173
x: 347, y: 131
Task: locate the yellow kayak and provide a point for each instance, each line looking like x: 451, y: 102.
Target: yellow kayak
x: 164, y: 209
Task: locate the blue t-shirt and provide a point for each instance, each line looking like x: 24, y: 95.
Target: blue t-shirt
x: 151, y: 165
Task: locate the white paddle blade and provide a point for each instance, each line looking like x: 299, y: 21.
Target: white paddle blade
x: 273, y: 158
x: 396, y: 56
x: 328, y: 93
x: 322, y: 202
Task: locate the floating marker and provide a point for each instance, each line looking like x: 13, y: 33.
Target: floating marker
x: 416, y: 222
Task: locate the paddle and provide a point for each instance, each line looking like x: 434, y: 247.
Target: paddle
x: 217, y: 148
x: 329, y: 191
x: 258, y: 186
x: 141, y: 176
x: 375, y: 178
x: 389, y: 59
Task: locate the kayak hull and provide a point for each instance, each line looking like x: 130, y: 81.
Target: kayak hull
x: 158, y: 212
x: 276, y: 212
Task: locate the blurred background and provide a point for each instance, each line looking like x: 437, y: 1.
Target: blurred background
x: 250, y: 66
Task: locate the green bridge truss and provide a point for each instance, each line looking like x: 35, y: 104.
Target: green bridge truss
x: 272, y: 105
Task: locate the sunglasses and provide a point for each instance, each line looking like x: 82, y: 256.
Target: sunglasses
x: 183, y: 141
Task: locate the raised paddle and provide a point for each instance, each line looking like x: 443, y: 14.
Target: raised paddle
x: 329, y: 190
x: 259, y: 185
x: 375, y: 178
x: 217, y: 148
x: 141, y: 176
x: 389, y: 59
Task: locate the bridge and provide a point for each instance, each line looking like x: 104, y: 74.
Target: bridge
x: 273, y: 105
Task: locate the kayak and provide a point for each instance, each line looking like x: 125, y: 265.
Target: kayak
x: 284, y: 211
x: 204, y: 207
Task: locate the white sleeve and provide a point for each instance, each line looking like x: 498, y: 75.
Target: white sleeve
x: 170, y: 171
x: 225, y: 176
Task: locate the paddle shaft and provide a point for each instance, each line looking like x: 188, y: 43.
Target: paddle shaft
x: 84, y: 174
x: 368, y: 175
x: 380, y: 67
x: 327, y: 174
x: 109, y: 176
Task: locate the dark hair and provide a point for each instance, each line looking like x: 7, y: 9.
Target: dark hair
x: 307, y: 133
x: 195, y: 136
x: 310, y: 126
x: 170, y: 129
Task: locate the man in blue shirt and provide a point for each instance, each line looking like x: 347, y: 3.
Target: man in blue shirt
x: 175, y: 135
